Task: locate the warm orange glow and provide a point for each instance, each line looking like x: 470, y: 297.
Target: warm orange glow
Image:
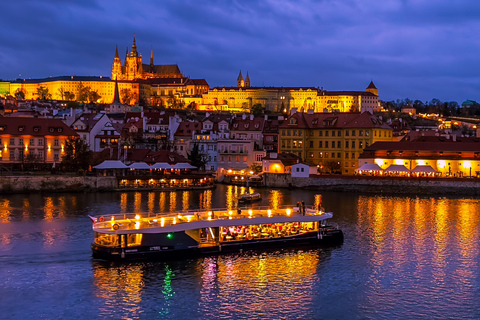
x: 379, y: 162
x: 442, y: 164
x: 467, y: 164
x: 398, y: 161
x: 49, y: 148
x: 420, y: 162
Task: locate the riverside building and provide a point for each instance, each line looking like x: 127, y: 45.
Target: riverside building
x: 333, y: 141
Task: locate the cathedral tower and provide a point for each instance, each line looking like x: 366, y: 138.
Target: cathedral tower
x: 247, y: 81
x: 117, y: 65
x: 240, y: 81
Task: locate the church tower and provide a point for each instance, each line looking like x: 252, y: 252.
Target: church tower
x: 372, y: 89
x: 117, y: 66
x: 240, y: 81
x: 247, y: 81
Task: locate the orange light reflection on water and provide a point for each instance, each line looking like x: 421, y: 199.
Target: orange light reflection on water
x: 125, y: 282
x: 270, y: 283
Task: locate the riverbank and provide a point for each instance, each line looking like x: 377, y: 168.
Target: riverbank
x: 66, y: 183
x: 377, y: 185
x: 337, y: 183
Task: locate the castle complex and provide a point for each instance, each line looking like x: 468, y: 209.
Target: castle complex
x: 165, y: 85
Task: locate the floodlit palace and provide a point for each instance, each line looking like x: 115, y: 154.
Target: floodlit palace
x: 165, y: 85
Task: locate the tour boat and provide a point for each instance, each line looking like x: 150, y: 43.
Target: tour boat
x: 135, y: 236
x: 250, y: 197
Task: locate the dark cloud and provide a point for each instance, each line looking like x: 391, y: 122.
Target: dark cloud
x: 418, y: 49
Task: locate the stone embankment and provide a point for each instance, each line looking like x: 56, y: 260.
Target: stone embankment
x: 56, y: 183
x: 381, y: 185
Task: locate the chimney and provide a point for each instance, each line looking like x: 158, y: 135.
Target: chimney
x: 454, y: 137
x: 251, y: 117
x: 273, y: 155
x: 244, y: 116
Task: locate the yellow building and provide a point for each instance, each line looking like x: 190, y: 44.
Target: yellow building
x: 60, y: 87
x: 331, y: 140
x: 283, y: 99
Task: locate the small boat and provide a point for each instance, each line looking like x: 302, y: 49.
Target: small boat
x: 250, y: 197
x: 133, y: 237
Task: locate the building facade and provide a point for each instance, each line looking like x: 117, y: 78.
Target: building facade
x: 331, y: 140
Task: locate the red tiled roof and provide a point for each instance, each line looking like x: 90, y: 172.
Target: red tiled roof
x: 239, y: 124
x: 447, y: 145
x: 35, y: 127
x: 186, y: 128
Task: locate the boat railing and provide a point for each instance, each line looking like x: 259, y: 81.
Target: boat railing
x: 132, y: 221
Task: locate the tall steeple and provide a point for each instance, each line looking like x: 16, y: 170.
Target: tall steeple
x: 134, y: 47
x: 116, y: 53
x: 240, y: 81
x: 151, y: 58
x: 247, y: 81
x: 116, y: 97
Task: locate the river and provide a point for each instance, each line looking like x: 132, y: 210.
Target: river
x: 403, y: 257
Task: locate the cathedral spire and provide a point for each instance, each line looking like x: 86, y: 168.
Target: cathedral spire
x: 151, y: 58
x: 247, y: 81
x: 116, y: 97
x: 134, y: 47
x: 116, y: 53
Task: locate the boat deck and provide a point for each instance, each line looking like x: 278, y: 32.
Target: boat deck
x: 132, y: 222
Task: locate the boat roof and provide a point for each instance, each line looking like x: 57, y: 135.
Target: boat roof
x: 131, y: 223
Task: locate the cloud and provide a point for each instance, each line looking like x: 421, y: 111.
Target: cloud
x: 420, y: 49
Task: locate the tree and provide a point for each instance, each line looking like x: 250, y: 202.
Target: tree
x: 198, y: 158
x: 125, y: 95
x: 82, y: 92
x: 70, y: 96
x: 20, y: 93
x: 77, y: 154
x: 93, y: 96
x: 257, y: 109
x: 43, y: 93
x: 61, y: 93
x: 256, y: 168
x: 332, y: 166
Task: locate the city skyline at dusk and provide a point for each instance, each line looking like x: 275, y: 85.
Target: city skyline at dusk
x: 410, y: 50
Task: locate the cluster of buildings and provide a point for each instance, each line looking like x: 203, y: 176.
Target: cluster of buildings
x: 326, y: 131
x: 165, y: 85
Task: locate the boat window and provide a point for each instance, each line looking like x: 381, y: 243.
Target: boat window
x: 134, y: 239
x: 107, y: 240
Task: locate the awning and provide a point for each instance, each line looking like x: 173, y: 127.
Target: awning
x: 397, y: 168
x: 111, y: 164
x: 369, y: 167
x: 424, y: 169
x: 139, y: 165
x: 161, y: 165
x: 183, y: 165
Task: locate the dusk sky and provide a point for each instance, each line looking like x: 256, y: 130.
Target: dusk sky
x: 410, y: 49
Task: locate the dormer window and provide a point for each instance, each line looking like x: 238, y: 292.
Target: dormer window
x: 235, y: 125
x: 36, y: 129
x: 2, y: 128
x: 21, y: 128
x: 247, y: 125
x: 51, y: 129
x: 256, y: 126
x: 293, y: 121
x: 60, y: 129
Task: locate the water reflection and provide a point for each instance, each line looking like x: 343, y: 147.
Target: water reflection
x: 414, y: 242
x: 276, y: 199
x: 121, y: 290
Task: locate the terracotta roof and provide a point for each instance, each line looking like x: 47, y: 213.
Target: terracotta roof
x: 239, y: 124
x: 371, y: 86
x: 334, y: 120
x: 197, y: 82
x: 186, y: 128
x: 287, y: 159
x: 35, y: 127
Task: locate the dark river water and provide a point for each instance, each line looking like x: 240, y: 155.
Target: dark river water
x: 403, y: 258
